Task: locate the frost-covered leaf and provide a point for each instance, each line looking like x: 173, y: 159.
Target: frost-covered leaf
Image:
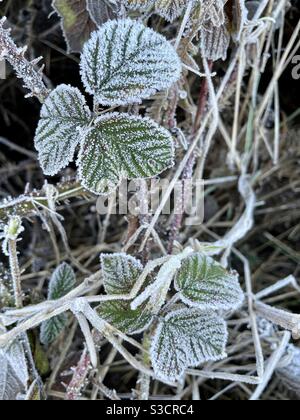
x: 77, y: 24
x: 120, y: 272
x: 57, y: 137
x: 214, y: 41
x: 204, y: 283
x: 125, y: 62
x: 13, y: 371
x: 62, y: 282
x: 119, y: 314
x: 139, y: 4
x: 170, y: 9
x: 289, y: 374
x: 212, y: 11
x: 186, y: 338
x: 100, y: 11
x: 123, y: 146
x: 52, y: 328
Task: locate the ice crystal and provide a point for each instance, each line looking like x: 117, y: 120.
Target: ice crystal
x: 62, y: 282
x: 204, y: 283
x: 13, y: 372
x: 57, y: 137
x: 186, y: 338
x: 123, y: 146
x: 125, y: 62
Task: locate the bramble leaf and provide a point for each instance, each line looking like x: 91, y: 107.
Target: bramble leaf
x: 62, y: 282
x: 57, y: 137
x: 143, y: 63
x: 14, y: 374
x: 186, y: 338
x: 52, y: 328
x: 120, y: 272
x: 204, y: 283
x: 76, y: 22
x: 214, y: 41
x: 123, y: 146
x: 289, y: 374
x: 170, y: 9
x: 138, y: 4
x: 119, y: 314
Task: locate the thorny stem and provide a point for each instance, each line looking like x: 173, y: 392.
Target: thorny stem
x: 33, y: 79
x: 26, y: 205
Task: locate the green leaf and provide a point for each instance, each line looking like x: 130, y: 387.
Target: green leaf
x: 119, y: 314
x: 57, y: 137
x: 120, y: 272
x: 14, y: 375
x: 123, y: 146
x: 76, y: 22
x: 125, y: 62
x: 62, y: 282
x: 204, y: 283
x: 51, y: 329
x: 187, y: 338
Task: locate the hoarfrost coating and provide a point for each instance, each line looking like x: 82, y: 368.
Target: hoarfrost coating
x: 125, y: 62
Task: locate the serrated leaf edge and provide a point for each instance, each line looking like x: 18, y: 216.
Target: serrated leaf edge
x: 107, y: 117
